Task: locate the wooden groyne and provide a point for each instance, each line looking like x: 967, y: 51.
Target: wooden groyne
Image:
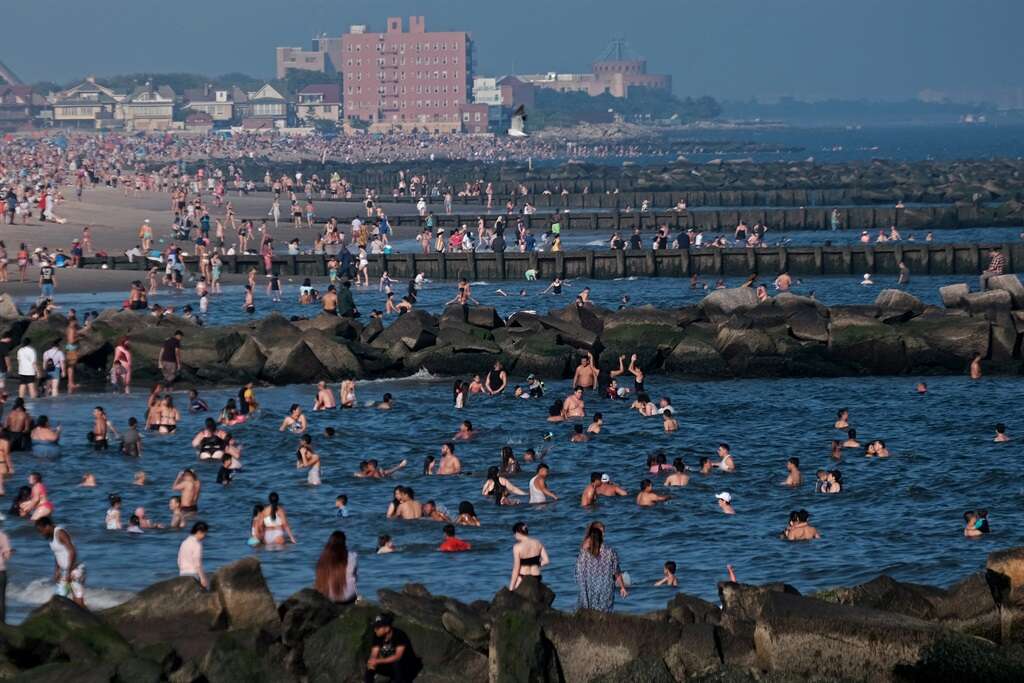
x: 923, y: 258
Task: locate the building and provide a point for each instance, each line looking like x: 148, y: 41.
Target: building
x: 486, y: 91
x: 615, y: 73
x: 320, y: 102
x: 20, y: 106
x: 265, y: 109
x: 218, y: 103
x: 324, y: 56
x: 149, y: 108
x: 87, y: 105
x: 406, y: 80
x: 475, y: 118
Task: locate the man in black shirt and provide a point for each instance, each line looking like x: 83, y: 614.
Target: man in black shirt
x: 635, y: 241
x: 392, y: 654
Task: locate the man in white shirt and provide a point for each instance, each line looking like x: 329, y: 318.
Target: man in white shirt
x: 54, y: 367
x: 28, y: 369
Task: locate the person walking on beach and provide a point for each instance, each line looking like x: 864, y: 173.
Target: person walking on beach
x: 190, y: 554
x: 68, y: 573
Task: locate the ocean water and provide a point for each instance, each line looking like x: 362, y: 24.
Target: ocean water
x: 900, y: 516
x: 519, y: 295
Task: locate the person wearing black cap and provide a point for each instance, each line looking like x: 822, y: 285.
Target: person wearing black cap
x: 392, y: 654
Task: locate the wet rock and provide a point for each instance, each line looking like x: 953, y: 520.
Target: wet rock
x: 371, y: 331
x: 651, y: 343
x: 696, y: 354
x: 77, y: 633
x: 303, y: 614
x: 248, y: 360
x: 466, y: 624
x: 243, y: 592
x: 948, y: 341
x: 540, y: 353
x: 885, y: 593
x: 332, y: 326
x: 244, y: 656
x: 808, y: 325
x: 338, y: 650
x: 865, y: 344
x: 337, y: 359
x: 416, y: 329
x: 588, y: 317
x: 292, y: 364
x: 519, y: 652
x: 484, y: 316
x: 955, y: 657
x: 746, y: 602
x: 687, y: 609
x: 572, y: 334
x: 462, y: 341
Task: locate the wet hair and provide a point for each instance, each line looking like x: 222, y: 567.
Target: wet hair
x: 520, y: 528
x: 134, y: 520
x: 577, y: 429
x: 598, y: 417
x: 703, y: 461
x: 671, y: 567
x: 274, y: 504
x: 595, y: 536
x: 803, y: 515
x: 114, y: 499
x: 295, y: 406
x: 645, y: 484
x: 851, y: 433
x: 42, y: 421
x: 839, y: 413
x: 556, y: 408
x: 210, y: 424
x: 343, y: 499
x: 795, y: 462
x: 466, y: 508
x: 200, y: 527
x: 595, y: 476
x: 427, y: 462
x: 507, y: 455
x: 542, y: 466
x: 660, y: 458
x: 724, y: 445
x: 449, y: 530
x: 257, y: 510
x: 678, y: 465
x: 1000, y: 428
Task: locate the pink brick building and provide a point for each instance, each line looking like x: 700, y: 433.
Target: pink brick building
x: 407, y: 79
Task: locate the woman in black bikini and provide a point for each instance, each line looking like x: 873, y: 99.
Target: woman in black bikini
x: 528, y: 556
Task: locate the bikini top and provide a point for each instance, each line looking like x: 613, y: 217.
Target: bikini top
x: 530, y: 561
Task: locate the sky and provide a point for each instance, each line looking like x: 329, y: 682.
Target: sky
x: 729, y: 49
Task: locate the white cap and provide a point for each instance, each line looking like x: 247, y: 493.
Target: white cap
x: 605, y: 478
x: 724, y: 495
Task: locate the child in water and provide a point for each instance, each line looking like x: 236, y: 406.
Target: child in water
x: 451, y: 544
x: 668, y: 577
x: 384, y: 545
x: 113, y: 519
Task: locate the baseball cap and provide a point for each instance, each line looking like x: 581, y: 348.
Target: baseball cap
x: 724, y: 495
x: 605, y: 478
x: 383, y: 619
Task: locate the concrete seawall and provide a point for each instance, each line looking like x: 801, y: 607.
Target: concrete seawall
x: 923, y: 258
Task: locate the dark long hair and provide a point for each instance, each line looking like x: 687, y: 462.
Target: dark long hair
x: 596, y: 537
x: 273, y: 504
x: 498, y: 491
x: 332, y: 567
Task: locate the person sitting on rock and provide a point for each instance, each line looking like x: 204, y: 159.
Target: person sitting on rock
x: 392, y: 654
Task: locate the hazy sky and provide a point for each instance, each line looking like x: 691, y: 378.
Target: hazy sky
x: 724, y: 48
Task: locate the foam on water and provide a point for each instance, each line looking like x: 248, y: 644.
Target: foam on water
x: 39, y: 591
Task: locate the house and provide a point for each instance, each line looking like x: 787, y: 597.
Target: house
x: 265, y: 108
x: 87, y: 105
x: 149, y: 108
x: 320, y: 102
x: 198, y: 122
x: 20, y: 106
x: 219, y: 103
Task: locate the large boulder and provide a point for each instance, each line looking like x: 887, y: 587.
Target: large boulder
x: 798, y: 636
x: 540, y: 353
x: 332, y: 326
x: 1004, y: 571
x: 244, y: 594
x: 416, y: 329
x: 519, y: 652
x: 292, y: 363
x: 650, y: 342
x: 335, y: 357
x: 371, y: 331
x: 992, y: 304
x: 447, y: 360
x: 947, y: 340
x: 865, y: 344
x: 588, y: 317
x: 895, y: 305
x: 1011, y: 284
x: 303, y: 614
x: 484, y: 316
x: 248, y: 361
x: 807, y: 324
x: 337, y: 651
x: 176, y: 611
x: 696, y: 354
x: 953, y: 295
x: 77, y: 633
x: 722, y: 303
x: 572, y: 334
x: 245, y: 656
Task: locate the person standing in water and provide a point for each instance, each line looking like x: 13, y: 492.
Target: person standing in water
x: 68, y: 572
x: 539, y: 491
x: 190, y: 554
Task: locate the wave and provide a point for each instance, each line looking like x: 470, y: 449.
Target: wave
x: 421, y: 375
x: 596, y: 243
x: 39, y: 591
x: 481, y: 283
x: 631, y: 278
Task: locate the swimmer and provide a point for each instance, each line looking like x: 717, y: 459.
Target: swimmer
x: 88, y: 480
x: 347, y: 394
x: 793, y: 476
x: 867, y: 280
x: 177, y: 518
x: 975, y: 369
x: 145, y: 522
x: 465, y: 432
x: 306, y: 458
x: 589, y: 496
x: 606, y: 487
x: 578, y: 436
x: 704, y: 465
x: 647, y: 496
x: 799, y: 528
x: 596, y: 424
x: 386, y: 402
x: 724, y: 500
x: 324, y: 397
x: 679, y: 476
x: 467, y: 515
x: 922, y: 388
x: 112, y: 521
x: 851, y: 439
x: 586, y: 374
x: 1001, y: 436
x: 669, y: 423
x: 294, y: 421
x: 842, y: 419
x: 725, y: 463
x: 668, y: 577
x: 188, y: 486
x: 877, y: 449
x: 450, y: 463
x: 573, y: 405
x: 385, y: 545
x: 475, y: 385
x: 433, y: 513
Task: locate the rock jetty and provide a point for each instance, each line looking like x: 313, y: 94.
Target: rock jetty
x: 883, y: 630
x: 728, y: 334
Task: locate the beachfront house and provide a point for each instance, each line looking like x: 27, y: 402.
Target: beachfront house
x: 320, y: 102
x: 149, y: 108
x: 20, y: 107
x: 218, y: 103
x: 87, y: 105
x: 265, y: 109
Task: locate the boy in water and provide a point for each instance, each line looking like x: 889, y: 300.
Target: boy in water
x: 668, y: 577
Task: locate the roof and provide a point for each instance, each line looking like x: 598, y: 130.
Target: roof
x: 20, y: 95
x: 510, y: 80
x: 331, y: 92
